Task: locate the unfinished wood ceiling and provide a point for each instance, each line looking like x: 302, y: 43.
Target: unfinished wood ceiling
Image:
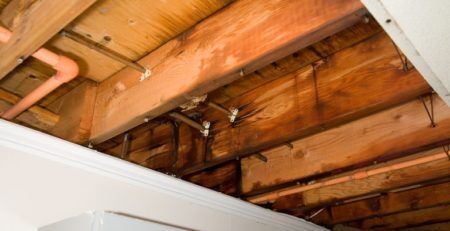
x: 130, y: 28
x: 334, y: 124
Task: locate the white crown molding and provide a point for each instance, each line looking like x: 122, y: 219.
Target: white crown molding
x: 45, y: 146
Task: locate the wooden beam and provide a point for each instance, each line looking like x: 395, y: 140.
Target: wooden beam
x: 211, y: 55
x: 407, y: 219
x: 349, y: 84
x: 346, y: 38
x: 377, y: 183
x: 430, y: 227
x: 76, y: 109
x: 390, y: 203
x: 35, y: 116
x: 391, y: 131
x: 222, y: 179
x: 304, y: 57
x: 34, y: 23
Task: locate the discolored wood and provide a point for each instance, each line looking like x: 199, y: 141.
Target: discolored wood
x: 352, y: 83
x: 221, y: 179
x: 393, y: 130
x: 296, y: 61
x: 76, y: 109
x: 407, y: 219
x: 393, y: 202
x: 135, y: 28
x: 35, y: 116
x: 431, y: 227
x: 180, y: 68
x: 345, y: 38
x: 380, y: 182
x: 38, y: 22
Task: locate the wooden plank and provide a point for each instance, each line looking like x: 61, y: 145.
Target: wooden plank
x: 364, y: 140
x: 356, y: 188
x: 392, y: 202
x: 35, y: 116
x: 135, y: 28
x: 304, y: 57
x: 76, y: 110
x: 430, y: 227
x: 37, y: 23
x: 222, y: 179
x: 352, y: 83
x: 210, y: 55
x: 380, y: 182
x: 407, y: 219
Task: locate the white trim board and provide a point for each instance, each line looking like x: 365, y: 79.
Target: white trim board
x: 421, y: 29
x: 50, y: 169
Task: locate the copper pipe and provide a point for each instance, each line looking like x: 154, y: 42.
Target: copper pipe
x: 66, y: 70
x: 355, y: 176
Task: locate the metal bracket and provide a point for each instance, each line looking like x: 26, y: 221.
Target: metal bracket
x: 147, y: 73
x: 430, y: 112
x: 125, y: 146
x: 232, y: 113
x: 403, y: 58
x: 261, y: 157
x: 447, y: 150
x: 204, y: 128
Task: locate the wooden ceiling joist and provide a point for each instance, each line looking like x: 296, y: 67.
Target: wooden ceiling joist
x: 36, y: 116
x: 351, y: 83
x: 35, y: 23
x: 383, y: 182
x: 407, y: 219
x: 279, y: 69
x: 403, y: 127
x: 387, y: 204
x: 211, y: 55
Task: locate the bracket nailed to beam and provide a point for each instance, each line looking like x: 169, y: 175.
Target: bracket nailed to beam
x: 261, y: 157
x: 204, y: 128
x: 430, y: 111
x: 80, y: 39
x: 231, y: 113
x: 125, y: 146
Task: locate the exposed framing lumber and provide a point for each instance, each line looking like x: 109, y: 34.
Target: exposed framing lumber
x: 407, y: 219
x: 325, y: 48
x: 381, y: 182
x: 211, y: 55
x: 387, y: 204
x: 33, y: 24
x: 76, y: 109
x: 351, y: 83
x: 35, y: 116
x: 430, y: 227
x: 403, y: 127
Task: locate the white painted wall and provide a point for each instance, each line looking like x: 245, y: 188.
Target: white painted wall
x: 44, y: 179
x: 421, y: 28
